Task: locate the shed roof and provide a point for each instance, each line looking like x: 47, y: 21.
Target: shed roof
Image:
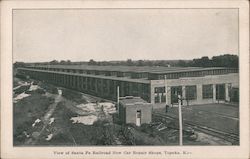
x: 126, y: 101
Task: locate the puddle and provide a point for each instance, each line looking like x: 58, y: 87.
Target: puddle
x: 20, y: 96
x: 49, y: 137
x: 36, y: 121
x: 59, y: 92
x: 87, y: 120
x: 21, y: 84
x: 33, y: 87
x: 51, y: 120
x: 26, y: 134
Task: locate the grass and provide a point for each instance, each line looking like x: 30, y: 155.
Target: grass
x: 73, y: 95
x: 76, y: 134
x: 25, y: 112
x: 48, y: 87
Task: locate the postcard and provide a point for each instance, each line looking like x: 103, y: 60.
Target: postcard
x: 125, y: 79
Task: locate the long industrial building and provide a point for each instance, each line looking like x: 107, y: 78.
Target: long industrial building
x: 157, y: 85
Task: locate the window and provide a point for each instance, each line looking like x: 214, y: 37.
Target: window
x: 207, y: 91
x: 160, y: 97
x: 138, y: 113
x: 157, y: 98
x: 159, y: 89
x: 191, y: 92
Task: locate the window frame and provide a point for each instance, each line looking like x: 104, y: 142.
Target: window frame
x: 190, y: 91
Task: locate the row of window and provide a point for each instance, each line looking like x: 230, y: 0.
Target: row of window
x: 191, y: 93
x: 193, y: 73
x: 151, y: 76
x: 98, y: 72
x: 95, y: 85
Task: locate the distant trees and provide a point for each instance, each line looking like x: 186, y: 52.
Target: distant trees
x: 129, y: 62
x: 225, y: 60
x: 19, y: 64
x: 201, y: 62
x: 62, y: 62
x: 217, y: 61
x: 67, y: 62
x: 92, y: 62
x: 54, y: 62
x: 182, y: 63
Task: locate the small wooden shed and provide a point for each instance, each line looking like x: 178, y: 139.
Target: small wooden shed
x: 134, y: 110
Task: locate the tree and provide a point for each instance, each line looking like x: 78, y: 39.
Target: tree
x: 129, y: 62
x: 54, y: 62
x: 182, y: 63
x: 202, y: 62
x: 91, y: 62
x: 63, y: 62
x: 68, y: 62
x: 140, y: 63
x: 19, y: 64
x: 226, y: 61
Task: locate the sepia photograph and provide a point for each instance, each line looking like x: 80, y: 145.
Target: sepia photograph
x: 125, y: 77
x: 111, y: 78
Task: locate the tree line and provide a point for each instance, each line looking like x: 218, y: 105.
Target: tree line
x: 225, y: 60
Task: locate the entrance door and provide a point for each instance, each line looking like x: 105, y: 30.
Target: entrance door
x: 175, y: 91
x: 220, y: 92
x: 138, y: 118
x: 234, y: 95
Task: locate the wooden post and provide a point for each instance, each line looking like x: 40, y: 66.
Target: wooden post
x: 166, y: 89
x: 180, y: 120
x: 118, y: 99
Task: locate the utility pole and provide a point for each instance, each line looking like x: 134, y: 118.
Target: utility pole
x: 180, y: 120
x: 118, y: 100
x: 166, y: 90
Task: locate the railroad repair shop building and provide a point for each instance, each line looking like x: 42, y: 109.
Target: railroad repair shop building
x: 156, y: 85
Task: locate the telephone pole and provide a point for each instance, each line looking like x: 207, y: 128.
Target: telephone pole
x: 118, y: 100
x: 180, y: 120
x: 166, y: 90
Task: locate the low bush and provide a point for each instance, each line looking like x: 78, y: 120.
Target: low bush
x: 73, y: 95
x: 21, y: 89
x: 49, y: 88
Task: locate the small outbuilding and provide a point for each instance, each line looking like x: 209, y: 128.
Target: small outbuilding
x: 134, y: 110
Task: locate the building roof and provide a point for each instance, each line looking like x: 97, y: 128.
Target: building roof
x: 130, y: 100
x: 140, y: 80
x: 139, y: 69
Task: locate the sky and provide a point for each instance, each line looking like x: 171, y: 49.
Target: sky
x: 121, y: 34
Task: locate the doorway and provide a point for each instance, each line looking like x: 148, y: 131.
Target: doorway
x: 220, y: 91
x: 138, y: 118
x: 175, y: 91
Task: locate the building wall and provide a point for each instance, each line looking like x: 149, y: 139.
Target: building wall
x: 130, y: 113
x: 106, y: 86
x: 94, y: 85
x: 228, y: 79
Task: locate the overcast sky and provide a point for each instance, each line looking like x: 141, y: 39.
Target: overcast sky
x: 120, y: 34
